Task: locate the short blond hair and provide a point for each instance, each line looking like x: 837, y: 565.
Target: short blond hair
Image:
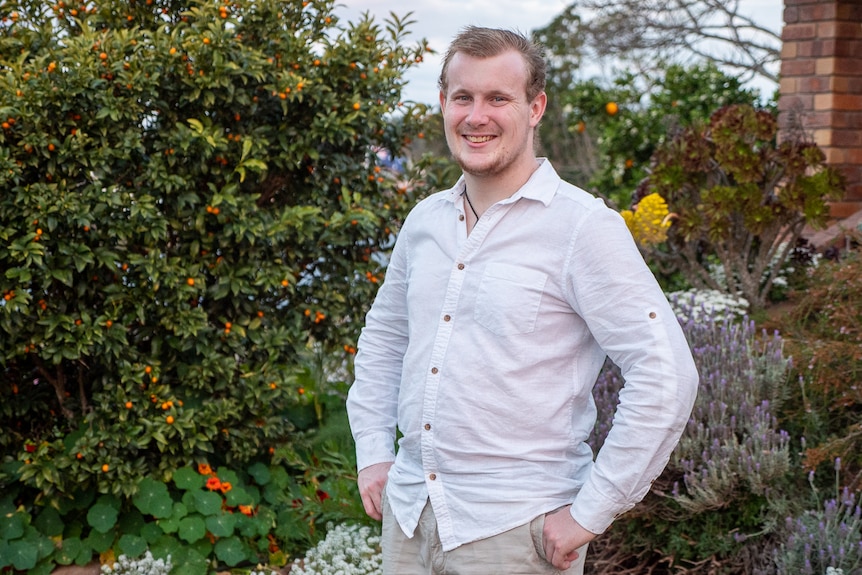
x: 479, y: 42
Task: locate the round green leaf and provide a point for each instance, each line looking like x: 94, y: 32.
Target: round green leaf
x: 260, y: 473
x: 102, y: 518
x: 187, y: 479
x: 230, y: 550
x: 49, y: 522
x: 132, y: 545
x: 153, y: 498
x: 221, y: 525
x: 23, y: 554
x: 192, y: 528
x: 207, y: 502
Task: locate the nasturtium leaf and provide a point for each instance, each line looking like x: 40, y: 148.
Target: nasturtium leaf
x: 100, y: 542
x: 11, y: 526
x: 151, y: 532
x: 230, y: 550
x: 221, y: 525
x: 187, y: 478
x: 260, y: 473
x: 192, y: 528
x: 153, y: 498
x: 23, y: 554
x: 207, y: 502
x: 49, y: 522
x: 69, y: 550
x: 132, y: 545
x: 102, y: 518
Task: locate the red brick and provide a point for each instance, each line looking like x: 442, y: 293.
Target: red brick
x: 847, y: 120
x: 813, y: 84
x: 798, y: 68
x: 795, y: 32
x: 798, y: 102
x: 847, y: 48
x: 818, y: 12
x: 846, y: 138
x: 841, y: 210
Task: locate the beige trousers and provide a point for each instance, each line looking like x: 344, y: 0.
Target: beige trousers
x: 518, y: 551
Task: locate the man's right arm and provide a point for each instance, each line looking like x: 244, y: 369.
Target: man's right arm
x: 372, y: 401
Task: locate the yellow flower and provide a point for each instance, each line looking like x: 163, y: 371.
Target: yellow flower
x: 649, y: 221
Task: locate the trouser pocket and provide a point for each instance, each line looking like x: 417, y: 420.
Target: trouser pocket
x: 537, y: 526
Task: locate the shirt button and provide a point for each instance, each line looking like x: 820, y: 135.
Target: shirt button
x: 432, y: 477
x: 460, y: 266
x: 427, y: 427
x: 434, y: 370
x: 461, y: 217
x: 447, y: 317
x: 652, y: 315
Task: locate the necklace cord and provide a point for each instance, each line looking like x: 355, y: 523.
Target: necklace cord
x: 469, y: 203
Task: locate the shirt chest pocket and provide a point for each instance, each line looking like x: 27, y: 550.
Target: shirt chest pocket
x: 507, y: 302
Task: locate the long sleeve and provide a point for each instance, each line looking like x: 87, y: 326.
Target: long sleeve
x: 372, y: 402
x: 631, y: 320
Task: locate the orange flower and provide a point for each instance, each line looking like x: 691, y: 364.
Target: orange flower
x: 213, y: 484
x: 224, y: 487
x: 246, y: 510
x: 205, y: 469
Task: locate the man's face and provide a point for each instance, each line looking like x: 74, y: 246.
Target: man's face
x: 486, y: 115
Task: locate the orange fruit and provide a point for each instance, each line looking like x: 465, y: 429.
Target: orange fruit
x: 105, y: 467
x: 170, y: 419
x: 190, y: 281
x: 611, y: 108
x: 128, y: 405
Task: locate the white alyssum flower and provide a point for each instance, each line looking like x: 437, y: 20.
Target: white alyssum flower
x: 346, y: 550
x: 693, y: 304
x: 146, y: 565
x: 834, y: 571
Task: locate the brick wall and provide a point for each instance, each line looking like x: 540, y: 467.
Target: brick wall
x: 821, y: 84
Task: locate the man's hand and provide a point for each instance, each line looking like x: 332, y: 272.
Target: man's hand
x: 562, y: 536
x: 371, y: 481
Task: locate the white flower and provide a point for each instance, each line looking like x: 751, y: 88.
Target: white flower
x: 146, y: 565
x: 346, y: 550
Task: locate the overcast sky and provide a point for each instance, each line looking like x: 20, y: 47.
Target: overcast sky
x: 439, y: 20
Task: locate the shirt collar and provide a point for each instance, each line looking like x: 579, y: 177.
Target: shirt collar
x: 542, y: 185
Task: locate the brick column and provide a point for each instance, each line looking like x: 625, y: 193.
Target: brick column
x: 821, y: 85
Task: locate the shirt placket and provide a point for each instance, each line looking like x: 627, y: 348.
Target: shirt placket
x: 445, y: 325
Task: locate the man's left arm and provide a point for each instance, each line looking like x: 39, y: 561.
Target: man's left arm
x: 631, y: 319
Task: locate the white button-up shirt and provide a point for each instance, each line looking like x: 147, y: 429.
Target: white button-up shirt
x: 483, y: 351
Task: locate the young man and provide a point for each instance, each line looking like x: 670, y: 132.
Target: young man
x: 502, y: 299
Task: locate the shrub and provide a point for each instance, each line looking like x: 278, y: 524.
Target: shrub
x: 191, y: 200
x: 728, y: 477
x: 738, y: 197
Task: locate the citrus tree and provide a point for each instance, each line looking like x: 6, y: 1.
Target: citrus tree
x: 192, y: 204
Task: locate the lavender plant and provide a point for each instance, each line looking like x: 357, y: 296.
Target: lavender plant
x: 733, y: 458
x: 824, y: 541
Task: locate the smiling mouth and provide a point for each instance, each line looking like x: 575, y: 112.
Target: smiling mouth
x: 479, y: 139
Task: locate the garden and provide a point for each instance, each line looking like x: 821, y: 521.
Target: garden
x: 196, y: 204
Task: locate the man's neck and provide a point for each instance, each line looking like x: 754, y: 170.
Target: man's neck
x: 485, y: 191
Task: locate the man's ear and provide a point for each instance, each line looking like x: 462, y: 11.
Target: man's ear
x: 442, y: 100
x: 537, y: 109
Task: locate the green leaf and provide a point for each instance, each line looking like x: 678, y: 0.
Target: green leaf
x: 49, y: 522
x: 207, y: 502
x: 230, y: 550
x: 100, y: 542
x: 153, y: 498
x: 192, y: 528
x: 70, y: 549
x: 23, y: 554
x: 11, y: 526
x: 221, y: 525
x: 102, y: 517
x: 132, y: 545
x: 187, y: 479
x: 260, y: 473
